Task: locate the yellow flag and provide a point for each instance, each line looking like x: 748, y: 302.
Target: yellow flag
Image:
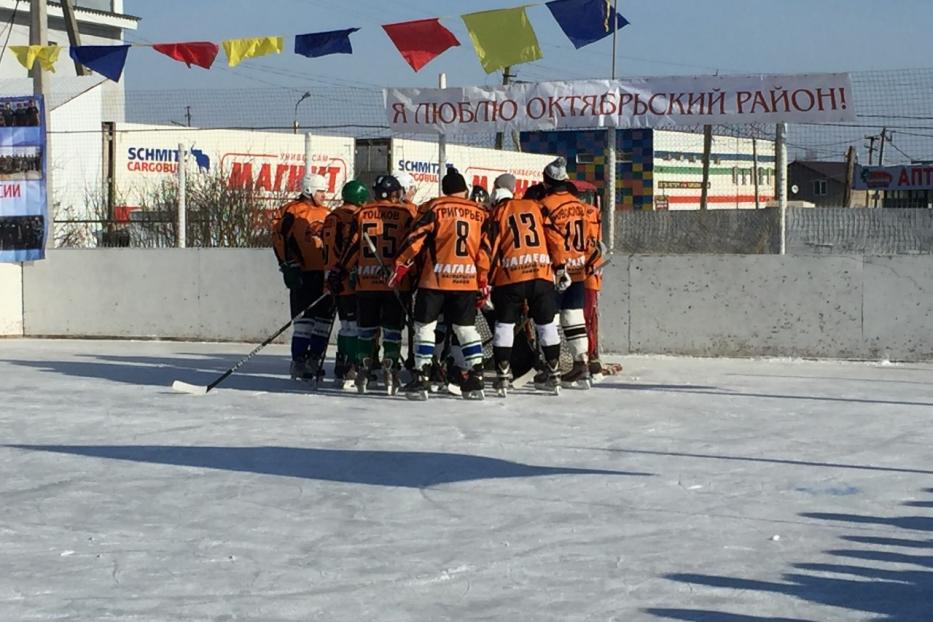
x: 27, y: 55
x: 239, y: 49
x: 503, y: 37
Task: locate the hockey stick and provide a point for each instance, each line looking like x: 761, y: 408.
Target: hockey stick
x: 409, y: 321
x: 195, y: 389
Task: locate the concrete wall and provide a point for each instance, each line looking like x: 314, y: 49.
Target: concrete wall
x: 11, y: 299
x: 738, y: 305
x: 217, y: 294
x: 832, y: 307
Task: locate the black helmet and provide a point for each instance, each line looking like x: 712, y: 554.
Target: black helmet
x: 385, y: 186
x: 479, y: 195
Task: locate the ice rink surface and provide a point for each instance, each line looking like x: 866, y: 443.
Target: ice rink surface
x: 685, y: 489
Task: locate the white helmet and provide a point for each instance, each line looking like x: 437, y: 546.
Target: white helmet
x: 311, y: 184
x: 405, y: 180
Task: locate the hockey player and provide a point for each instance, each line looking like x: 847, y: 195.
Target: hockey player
x: 520, y: 244
x: 447, y: 239
x: 409, y: 190
x: 379, y: 231
x: 480, y: 196
x: 296, y: 240
x: 579, y: 225
x: 338, y: 229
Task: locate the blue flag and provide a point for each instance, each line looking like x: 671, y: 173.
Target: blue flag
x: 107, y: 60
x: 324, y: 43
x: 585, y: 21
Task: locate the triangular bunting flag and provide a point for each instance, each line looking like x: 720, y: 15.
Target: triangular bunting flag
x: 421, y: 41
x: 27, y: 55
x: 239, y: 49
x: 323, y: 43
x: 107, y: 60
x: 502, y: 38
x: 200, y: 53
x: 585, y: 21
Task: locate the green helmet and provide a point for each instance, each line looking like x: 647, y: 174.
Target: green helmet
x: 354, y: 192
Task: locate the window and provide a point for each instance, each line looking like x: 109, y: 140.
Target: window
x: 819, y: 187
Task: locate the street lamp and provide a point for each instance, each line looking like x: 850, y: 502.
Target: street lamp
x: 295, y: 123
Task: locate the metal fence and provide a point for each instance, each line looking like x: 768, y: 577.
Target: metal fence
x: 113, y: 183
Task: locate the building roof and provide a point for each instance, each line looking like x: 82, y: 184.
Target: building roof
x: 82, y: 14
x: 828, y: 169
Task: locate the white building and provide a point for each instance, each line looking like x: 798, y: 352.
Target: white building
x: 77, y: 105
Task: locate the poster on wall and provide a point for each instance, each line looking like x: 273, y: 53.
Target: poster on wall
x: 23, y: 206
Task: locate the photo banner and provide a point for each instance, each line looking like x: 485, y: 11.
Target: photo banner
x: 633, y: 103
x: 23, y: 209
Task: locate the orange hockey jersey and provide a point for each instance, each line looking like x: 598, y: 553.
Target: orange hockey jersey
x: 449, y: 232
x: 296, y: 234
x: 386, y: 224
x: 579, y: 225
x: 520, y: 244
x: 336, y: 235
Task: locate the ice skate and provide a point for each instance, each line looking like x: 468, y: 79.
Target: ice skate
x: 363, y: 376
x: 548, y: 380
x: 578, y: 377
x: 390, y: 376
x: 472, y: 387
x: 418, y: 388
x: 503, y: 381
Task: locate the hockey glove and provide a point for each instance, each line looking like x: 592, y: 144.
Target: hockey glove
x: 398, y: 275
x: 562, y: 280
x: 482, y: 296
x: 291, y: 274
x: 335, y: 281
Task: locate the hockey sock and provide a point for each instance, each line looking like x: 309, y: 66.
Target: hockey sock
x: 548, y: 335
x: 365, y: 342
x: 301, y: 338
x: 575, y: 331
x: 503, y: 341
x: 551, y: 353
x: 424, y: 343
x: 320, y: 331
x: 346, y: 340
x: 471, y: 345
x: 392, y: 344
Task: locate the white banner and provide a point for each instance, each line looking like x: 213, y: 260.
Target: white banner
x: 635, y: 103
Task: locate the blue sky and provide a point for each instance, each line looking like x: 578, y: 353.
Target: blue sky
x: 666, y: 37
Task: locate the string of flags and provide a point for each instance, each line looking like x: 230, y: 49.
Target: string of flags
x: 500, y: 37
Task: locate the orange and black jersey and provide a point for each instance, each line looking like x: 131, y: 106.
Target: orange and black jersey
x: 336, y: 236
x: 296, y: 234
x: 449, y: 231
x: 520, y: 244
x: 579, y: 225
x: 386, y: 224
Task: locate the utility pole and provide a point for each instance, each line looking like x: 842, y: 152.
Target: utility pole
x: 39, y: 35
x: 780, y: 178
x: 609, y: 200
x: 850, y: 177
x: 74, y: 35
x: 755, y: 167
x: 188, y: 115
x: 441, y: 145
x: 707, y: 152
x: 871, y: 161
x: 506, y: 80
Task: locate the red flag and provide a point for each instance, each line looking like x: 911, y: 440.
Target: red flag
x: 200, y: 53
x: 420, y: 41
